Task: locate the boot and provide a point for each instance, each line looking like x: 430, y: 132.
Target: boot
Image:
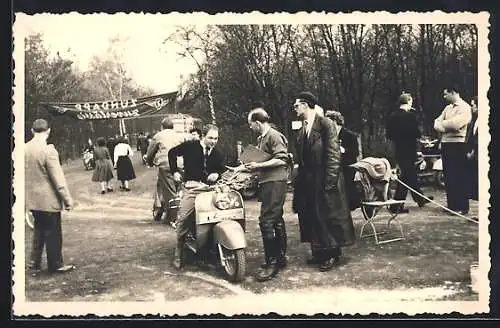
x: 281, y: 239
x: 272, y: 269
x: 178, y: 255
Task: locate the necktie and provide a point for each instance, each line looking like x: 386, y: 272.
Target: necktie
x: 205, y: 157
x: 306, y: 129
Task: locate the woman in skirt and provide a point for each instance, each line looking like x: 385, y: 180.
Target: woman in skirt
x: 103, y: 171
x: 125, y: 171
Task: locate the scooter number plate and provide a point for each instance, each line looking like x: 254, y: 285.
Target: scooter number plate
x: 217, y: 216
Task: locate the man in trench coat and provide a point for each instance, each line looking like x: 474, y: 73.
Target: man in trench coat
x: 320, y: 197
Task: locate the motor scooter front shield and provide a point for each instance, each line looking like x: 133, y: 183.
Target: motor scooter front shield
x: 230, y: 234
x: 207, y: 213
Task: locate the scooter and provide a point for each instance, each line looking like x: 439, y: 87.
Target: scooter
x: 88, y: 160
x: 219, y: 232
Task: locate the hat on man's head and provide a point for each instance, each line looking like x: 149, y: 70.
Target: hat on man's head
x: 309, y: 98
x: 40, y: 125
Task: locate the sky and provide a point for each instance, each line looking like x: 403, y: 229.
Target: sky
x: 149, y: 62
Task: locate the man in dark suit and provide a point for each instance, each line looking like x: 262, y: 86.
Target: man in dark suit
x: 202, y: 163
x: 46, y: 195
x: 319, y: 193
x: 349, y: 150
x: 402, y: 129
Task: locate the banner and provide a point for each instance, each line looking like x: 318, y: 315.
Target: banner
x: 112, y: 109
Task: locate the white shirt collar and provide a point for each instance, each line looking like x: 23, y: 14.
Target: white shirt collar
x: 205, y: 147
x: 405, y: 107
x: 310, y: 120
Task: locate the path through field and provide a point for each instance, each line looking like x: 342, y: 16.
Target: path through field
x: 121, y: 254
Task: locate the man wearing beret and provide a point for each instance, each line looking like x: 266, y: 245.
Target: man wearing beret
x: 319, y: 193
x: 46, y: 195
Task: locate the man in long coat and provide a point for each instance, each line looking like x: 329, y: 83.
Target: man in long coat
x: 349, y: 149
x: 320, y: 197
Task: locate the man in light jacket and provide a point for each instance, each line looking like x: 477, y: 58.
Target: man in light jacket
x: 157, y: 154
x: 46, y: 195
x: 452, y: 124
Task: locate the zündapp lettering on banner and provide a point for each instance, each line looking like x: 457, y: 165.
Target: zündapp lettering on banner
x: 112, y: 109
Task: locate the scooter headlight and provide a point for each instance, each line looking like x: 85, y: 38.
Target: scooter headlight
x: 226, y: 200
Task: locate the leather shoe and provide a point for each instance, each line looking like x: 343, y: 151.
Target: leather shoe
x: 328, y: 264
x: 268, y: 273
x: 177, y: 263
x: 63, y: 269
x: 34, y: 270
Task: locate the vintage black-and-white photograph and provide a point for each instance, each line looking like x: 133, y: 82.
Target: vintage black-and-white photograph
x: 251, y: 163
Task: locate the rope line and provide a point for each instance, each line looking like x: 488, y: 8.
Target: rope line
x: 435, y: 203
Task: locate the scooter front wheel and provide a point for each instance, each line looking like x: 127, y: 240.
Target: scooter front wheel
x: 234, y: 263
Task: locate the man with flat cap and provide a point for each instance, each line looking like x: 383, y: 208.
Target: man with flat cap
x: 319, y: 193
x: 46, y: 195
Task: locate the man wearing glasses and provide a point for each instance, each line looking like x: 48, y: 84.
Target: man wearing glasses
x: 319, y: 195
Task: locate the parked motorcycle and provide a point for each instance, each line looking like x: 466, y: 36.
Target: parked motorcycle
x: 429, y: 163
x: 219, y: 234
x: 88, y: 160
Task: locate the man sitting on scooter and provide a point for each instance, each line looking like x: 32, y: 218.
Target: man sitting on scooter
x: 202, y: 163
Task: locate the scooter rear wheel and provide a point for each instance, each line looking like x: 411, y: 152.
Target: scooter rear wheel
x: 234, y: 264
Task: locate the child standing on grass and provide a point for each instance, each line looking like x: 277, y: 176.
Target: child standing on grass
x: 125, y: 169
x: 103, y: 171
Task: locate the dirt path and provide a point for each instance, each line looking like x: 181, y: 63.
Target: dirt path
x: 121, y: 254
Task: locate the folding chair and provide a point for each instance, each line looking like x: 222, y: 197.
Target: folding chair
x: 372, y: 180
x: 370, y: 211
